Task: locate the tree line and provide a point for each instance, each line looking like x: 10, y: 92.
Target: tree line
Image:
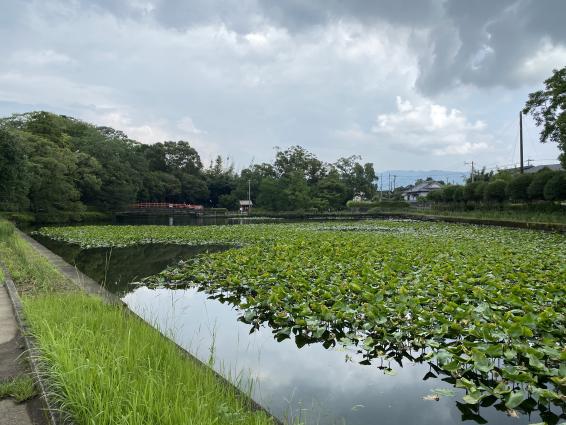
x: 506, y: 186
x: 58, y: 167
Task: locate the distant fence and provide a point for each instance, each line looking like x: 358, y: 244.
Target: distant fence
x: 166, y: 205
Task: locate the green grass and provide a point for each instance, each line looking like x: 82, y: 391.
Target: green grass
x: 20, y: 388
x: 106, y: 366
x: 31, y: 272
x: 558, y: 217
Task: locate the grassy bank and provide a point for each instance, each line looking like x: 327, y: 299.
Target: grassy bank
x: 554, y: 217
x: 32, y: 273
x: 108, y: 365
x: 105, y: 366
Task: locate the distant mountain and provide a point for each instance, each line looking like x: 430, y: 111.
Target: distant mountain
x: 408, y: 177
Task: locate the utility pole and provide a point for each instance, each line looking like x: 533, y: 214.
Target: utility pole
x: 380, y: 187
x: 249, y: 196
x: 394, y: 182
x: 521, y: 138
x: 472, y: 164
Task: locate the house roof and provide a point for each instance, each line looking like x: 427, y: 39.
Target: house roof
x: 245, y: 203
x: 537, y: 168
x: 424, y: 187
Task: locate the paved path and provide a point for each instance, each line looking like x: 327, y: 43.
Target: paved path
x: 11, y: 348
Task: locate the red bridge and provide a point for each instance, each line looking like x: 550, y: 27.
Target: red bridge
x: 166, y: 205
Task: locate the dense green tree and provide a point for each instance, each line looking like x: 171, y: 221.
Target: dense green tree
x: 331, y: 191
x: 471, y: 191
x: 435, y: 196
x: 548, y: 107
x: 220, y: 179
x: 517, y: 188
x: 272, y: 195
x: 55, y: 165
x: 448, y: 193
x: 53, y: 193
x: 536, y: 188
x: 458, y: 194
x: 14, y: 173
x: 194, y: 189
x: 495, y: 191
x: 297, y: 160
x: 159, y: 186
x: 555, y: 187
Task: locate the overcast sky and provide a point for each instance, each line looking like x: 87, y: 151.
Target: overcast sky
x: 407, y: 84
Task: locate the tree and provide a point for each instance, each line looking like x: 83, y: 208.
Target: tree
x: 458, y: 194
x: 548, y: 108
x: 272, y: 195
x: 14, y: 177
x: 495, y: 191
x: 555, y: 187
x: 517, y: 188
x: 471, y: 192
x: 434, y: 196
x: 332, y: 191
x: 536, y: 188
x: 297, y: 159
x: 448, y: 193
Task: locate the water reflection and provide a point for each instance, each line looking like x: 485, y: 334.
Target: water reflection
x: 321, y: 386
x: 117, y: 268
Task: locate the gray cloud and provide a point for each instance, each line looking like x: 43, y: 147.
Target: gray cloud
x: 482, y: 43
x: 239, y: 77
x: 486, y: 43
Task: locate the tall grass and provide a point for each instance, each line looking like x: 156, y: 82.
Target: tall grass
x: 108, y: 367
x: 31, y: 272
x: 522, y: 216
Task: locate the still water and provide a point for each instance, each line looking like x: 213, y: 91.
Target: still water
x: 313, y: 384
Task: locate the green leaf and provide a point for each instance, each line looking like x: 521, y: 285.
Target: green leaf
x: 514, y: 399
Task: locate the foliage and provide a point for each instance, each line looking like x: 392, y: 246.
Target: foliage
x: 486, y: 305
x: 504, y: 187
x: 495, y: 191
x: 104, y: 363
x: 31, y: 272
x: 55, y: 166
x: 20, y: 388
x: 555, y: 187
x: 536, y: 188
x: 548, y: 108
x: 517, y: 188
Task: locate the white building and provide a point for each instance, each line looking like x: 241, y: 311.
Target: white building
x: 422, y: 189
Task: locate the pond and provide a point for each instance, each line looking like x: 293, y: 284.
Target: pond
x: 312, y: 384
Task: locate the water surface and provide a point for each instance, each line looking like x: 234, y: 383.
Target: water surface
x: 314, y: 384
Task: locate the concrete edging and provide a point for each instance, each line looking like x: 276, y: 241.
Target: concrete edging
x: 53, y: 414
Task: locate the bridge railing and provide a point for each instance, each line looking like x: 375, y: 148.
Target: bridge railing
x: 165, y: 205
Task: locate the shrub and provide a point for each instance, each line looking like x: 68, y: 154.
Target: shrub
x: 458, y: 194
x: 496, y: 191
x: 517, y: 188
x: 555, y: 187
x: 536, y: 188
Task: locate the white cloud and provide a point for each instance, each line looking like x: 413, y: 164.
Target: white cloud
x: 536, y: 68
x: 430, y: 128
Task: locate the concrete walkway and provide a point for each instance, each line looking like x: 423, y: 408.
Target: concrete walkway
x: 11, y: 366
